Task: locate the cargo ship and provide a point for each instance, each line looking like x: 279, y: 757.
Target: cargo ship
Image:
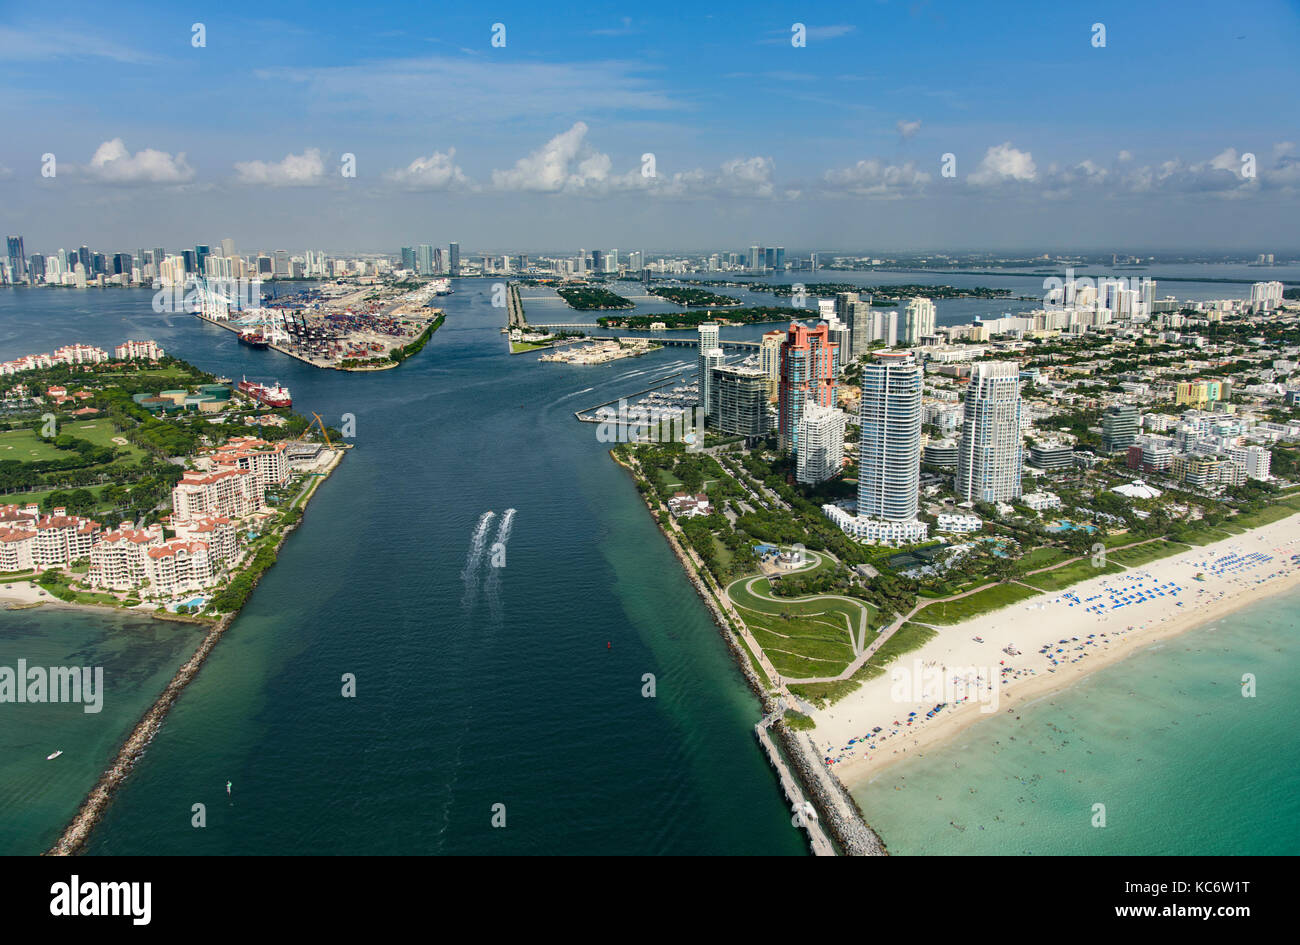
x: 254, y: 339
x: 273, y: 395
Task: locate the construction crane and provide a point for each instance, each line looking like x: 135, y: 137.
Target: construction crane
x: 323, y: 433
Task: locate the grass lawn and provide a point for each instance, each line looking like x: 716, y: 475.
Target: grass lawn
x: 1265, y: 516
x: 1044, y: 558
x: 965, y: 608
x: 25, y: 446
x: 518, y: 347
x: 909, y: 637
x: 801, y: 636
x: 1142, y: 554
x: 1063, y: 577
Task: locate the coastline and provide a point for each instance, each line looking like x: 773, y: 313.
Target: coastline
x: 74, y: 836
x: 954, y: 664
x: 794, y: 757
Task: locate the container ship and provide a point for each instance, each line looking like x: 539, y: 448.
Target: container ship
x: 254, y: 339
x: 272, y: 395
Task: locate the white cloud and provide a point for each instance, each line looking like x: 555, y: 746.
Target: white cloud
x: 112, y: 163
x: 569, y: 164
x: 1002, y: 163
x: 908, y: 129
x: 296, y: 170
x: 565, y: 163
x: 503, y: 90
x: 872, y: 177
x: 438, y: 171
x: 43, y: 43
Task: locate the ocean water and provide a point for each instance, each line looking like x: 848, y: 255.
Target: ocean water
x: 522, y: 686
x: 138, y: 656
x: 476, y: 686
x: 1182, y: 762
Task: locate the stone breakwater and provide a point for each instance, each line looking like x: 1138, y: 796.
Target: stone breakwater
x: 838, y: 814
x: 78, y: 831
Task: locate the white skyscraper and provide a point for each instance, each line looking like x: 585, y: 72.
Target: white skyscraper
x: 821, y: 443
x: 889, y: 448
x: 712, y: 358
x: 918, y: 321
x: 1265, y: 296
x: 708, y: 341
x: 991, y: 451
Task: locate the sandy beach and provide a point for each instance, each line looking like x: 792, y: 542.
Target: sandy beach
x: 1046, y: 643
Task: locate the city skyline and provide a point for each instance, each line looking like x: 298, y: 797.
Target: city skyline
x: 749, y: 135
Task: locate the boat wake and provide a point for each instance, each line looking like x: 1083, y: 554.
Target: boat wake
x: 492, y: 586
x: 474, y: 559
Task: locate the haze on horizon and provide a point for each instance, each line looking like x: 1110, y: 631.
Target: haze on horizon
x: 1058, y: 144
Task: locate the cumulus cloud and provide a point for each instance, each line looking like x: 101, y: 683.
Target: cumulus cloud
x: 872, y: 177
x: 112, y: 163
x: 1004, y: 163
x: 438, y: 171
x: 908, y: 129
x: 1221, y: 175
x: 569, y: 164
x: 296, y: 170
x: 565, y: 163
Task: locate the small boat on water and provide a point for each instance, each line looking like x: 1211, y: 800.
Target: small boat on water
x: 53, y: 756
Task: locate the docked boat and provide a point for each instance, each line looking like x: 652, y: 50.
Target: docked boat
x: 254, y: 339
x: 441, y: 286
x: 273, y: 395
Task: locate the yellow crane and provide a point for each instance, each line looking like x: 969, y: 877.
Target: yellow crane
x: 323, y: 433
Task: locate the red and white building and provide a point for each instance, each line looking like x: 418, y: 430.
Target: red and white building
x: 31, y: 541
x: 217, y: 532
x: 118, y: 560
x: 178, y: 566
x: 80, y: 354
x: 268, y: 460
x: 131, y: 350
x: 232, y: 493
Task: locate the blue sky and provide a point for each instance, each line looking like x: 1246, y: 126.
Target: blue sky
x: 1058, y: 144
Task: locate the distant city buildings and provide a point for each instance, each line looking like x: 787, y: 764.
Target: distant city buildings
x: 918, y: 321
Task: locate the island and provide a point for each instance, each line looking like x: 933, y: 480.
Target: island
x: 139, y: 482
x: 683, y: 296
x: 588, y: 298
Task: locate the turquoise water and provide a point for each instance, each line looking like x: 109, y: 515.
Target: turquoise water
x: 138, y: 655
x: 1183, y: 763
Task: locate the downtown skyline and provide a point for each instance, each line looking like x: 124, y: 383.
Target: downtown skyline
x: 543, y: 142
